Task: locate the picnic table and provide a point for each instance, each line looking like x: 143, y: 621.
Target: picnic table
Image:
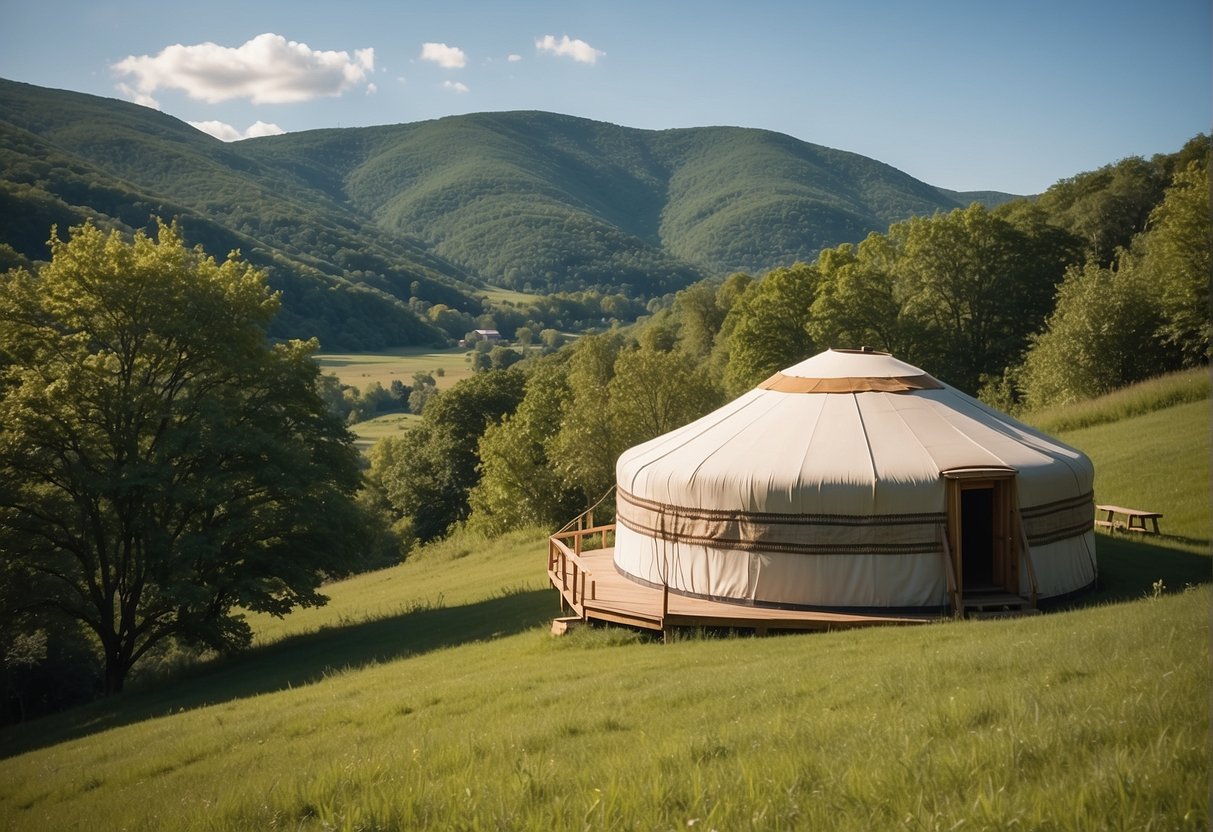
x: 1134, y: 519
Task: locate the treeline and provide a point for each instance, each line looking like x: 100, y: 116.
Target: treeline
x: 1101, y: 282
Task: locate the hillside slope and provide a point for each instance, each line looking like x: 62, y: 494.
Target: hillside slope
x: 66, y: 157
x: 429, y: 695
x: 547, y: 202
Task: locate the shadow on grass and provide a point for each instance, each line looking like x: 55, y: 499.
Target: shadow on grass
x: 293, y: 662
x: 1130, y: 566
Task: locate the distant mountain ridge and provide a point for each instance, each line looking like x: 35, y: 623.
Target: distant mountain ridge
x: 361, y: 228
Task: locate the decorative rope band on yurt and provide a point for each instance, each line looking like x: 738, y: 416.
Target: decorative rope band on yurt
x: 1059, y: 520
x: 801, y: 534
x: 781, y: 383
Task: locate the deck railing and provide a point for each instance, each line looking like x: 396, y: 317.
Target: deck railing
x: 566, y: 569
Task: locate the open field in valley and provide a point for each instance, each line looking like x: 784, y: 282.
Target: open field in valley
x: 360, y: 369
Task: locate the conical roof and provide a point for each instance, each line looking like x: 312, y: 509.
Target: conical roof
x: 844, y: 432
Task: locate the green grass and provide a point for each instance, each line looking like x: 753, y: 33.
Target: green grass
x: 361, y: 369
x: 430, y: 695
x: 1147, y: 397
x: 1157, y: 462
x: 389, y: 424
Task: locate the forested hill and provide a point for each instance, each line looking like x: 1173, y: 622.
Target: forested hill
x: 364, y: 228
x: 546, y: 202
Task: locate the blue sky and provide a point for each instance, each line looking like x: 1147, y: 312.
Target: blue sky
x: 972, y: 95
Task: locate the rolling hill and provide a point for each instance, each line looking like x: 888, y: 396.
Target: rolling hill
x: 352, y: 224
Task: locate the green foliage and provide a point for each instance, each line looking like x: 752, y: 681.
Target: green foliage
x: 586, y: 447
x: 766, y: 327
x: 519, y: 485
x: 859, y: 301
x: 1108, y: 207
x: 1175, y: 261
x: 653, y: 392
x: 978, y: 284
x: 160, y: 464
x: 556, y: 455
x: 1101, y: 336
x: 427, y: 474
x: 1147, y: 314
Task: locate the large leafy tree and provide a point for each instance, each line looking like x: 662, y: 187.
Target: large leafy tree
x: 978, y: 285
x: 161, y: 464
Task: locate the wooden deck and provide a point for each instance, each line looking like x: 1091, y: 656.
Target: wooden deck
x: 593, y: 590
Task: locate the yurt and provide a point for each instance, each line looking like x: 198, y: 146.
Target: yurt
x: 853, y: 481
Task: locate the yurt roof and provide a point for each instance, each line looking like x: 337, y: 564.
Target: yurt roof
x: 844, y: 432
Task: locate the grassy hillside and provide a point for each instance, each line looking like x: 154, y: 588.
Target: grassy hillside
x: 430, y: 696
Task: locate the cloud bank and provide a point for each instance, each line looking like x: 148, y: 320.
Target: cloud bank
x: 574, y: 48
x: 268, y: 69
x: 226, y: 132
x: 448, y: 57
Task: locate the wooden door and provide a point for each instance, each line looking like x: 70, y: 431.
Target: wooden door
x: 979, y: 524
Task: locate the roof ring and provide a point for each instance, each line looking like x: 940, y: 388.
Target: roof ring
x: 860, y: 351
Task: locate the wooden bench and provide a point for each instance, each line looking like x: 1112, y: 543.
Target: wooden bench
x: 1134, y: 519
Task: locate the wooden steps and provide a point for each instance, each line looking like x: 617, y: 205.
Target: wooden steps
x: 996, y: 604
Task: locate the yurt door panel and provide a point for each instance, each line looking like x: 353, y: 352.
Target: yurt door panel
x: 979, y: 519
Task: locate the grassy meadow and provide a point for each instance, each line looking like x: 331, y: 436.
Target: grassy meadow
x: 389, y: 424
x: 361, y: 369
x: 430, y: 695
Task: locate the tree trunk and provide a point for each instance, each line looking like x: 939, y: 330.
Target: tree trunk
x: 115, y: 674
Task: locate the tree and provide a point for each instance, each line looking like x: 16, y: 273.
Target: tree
x: 161, y: 465
x: 1175, y: 260
x: 857, y: 302
x: 654, y: 392
x: 518, y: 484
x: 977, y: 285
x: 1101, y: 336
x: 423, y: 392
x: 766, y: 327
x: 427, y: 473
x: 586, y: 447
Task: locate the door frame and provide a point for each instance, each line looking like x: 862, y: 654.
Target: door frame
x: 1004, y: 567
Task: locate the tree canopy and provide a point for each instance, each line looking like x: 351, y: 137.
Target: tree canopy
x: 162, y: 466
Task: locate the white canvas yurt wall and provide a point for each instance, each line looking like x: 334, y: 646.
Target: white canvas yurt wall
x: 825, y: 487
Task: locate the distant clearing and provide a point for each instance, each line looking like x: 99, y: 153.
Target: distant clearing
x: 360, y: 369
x: 389, y: 424
x: 499, y: 295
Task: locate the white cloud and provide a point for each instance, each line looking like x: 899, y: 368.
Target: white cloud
x: 138, y: 97
x: 447, y: 57
x: 514, y: 58
x: 268, y: 69
x: 261, y: 128
x: 455, y: 86
x: 227, y: 133
x: 371, y: 89
x: 575, y: 48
